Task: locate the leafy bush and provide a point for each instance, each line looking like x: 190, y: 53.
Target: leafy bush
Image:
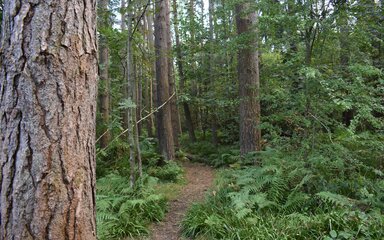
x: 124, y: 211
x: 171, y: 172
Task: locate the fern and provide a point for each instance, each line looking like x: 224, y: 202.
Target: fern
x: 124, y: 211
x: 295, y: 202
x: 291, y: 198
x: 336, y: 200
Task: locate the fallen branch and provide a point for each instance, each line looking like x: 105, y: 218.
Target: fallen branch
x: 142, y: 119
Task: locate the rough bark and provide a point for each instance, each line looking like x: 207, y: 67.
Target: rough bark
x: 152, y: 81
x: 164, y: 117
x: 172, y: 87
x: 139, y: 97
x: 187, y: 112
x: 130, y: 95
x: 48, y: 88
x: 249, y: 82
x: 124, y: 88
x: 104, y: 76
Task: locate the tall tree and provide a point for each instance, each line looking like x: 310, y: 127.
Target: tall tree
x: 213, y: 118
x: 48, y: 87
x: 249, y: 82
x: 104, y: 67
x: 1, y: 12
x: 342, y: 7
x: 179, y: 54
x: 172, y: 89
x: 164, y: 115
x: 152, y: 72
x: 130, y: 98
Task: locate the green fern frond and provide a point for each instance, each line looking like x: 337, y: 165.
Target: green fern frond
x: 335, y: 199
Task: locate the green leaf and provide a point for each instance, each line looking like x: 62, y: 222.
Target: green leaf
x: 333, y: 234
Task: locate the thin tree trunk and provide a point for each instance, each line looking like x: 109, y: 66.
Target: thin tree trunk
x: 130, y: 111
x: 213, y: 118
x: 194, y: 87
x: 172, y: 87
x: 139, y: 97
x: 104, y: 77
x: 249, y: 82
x: 174, y: 109
x: 164, y: 115
x: 138, y: 152
x: 147, y: 80
x: 123, y: 15
x: 153, y: 84
x: 187, y: 112
x: 124, y: 112
x: 344, y: 33
x: 48, y: 90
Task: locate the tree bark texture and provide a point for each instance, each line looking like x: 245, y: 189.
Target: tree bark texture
x: 124, y: 112
x: 172, y: 86
x: 164, y: 117
x: 249, y: 82
x: 152, y: 81
x: 48, y: 88
x: 130, y: 94
x: 104, y: 75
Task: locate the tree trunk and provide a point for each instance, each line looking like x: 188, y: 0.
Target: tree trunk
x: 344, y: 33
x: 213, y: 118
x: 122, y: 17
x: 164, y: 117
x: 187, y: 112
x: 48, y: 88
x: 124, y: 88
x: 139, y: 97
x: 249, y: 82
x: 152, y: 80
x: 172, y: 86
x: 130, y: 111
x: 104, y: 78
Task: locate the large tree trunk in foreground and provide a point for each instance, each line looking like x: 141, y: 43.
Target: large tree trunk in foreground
x: 164, y: 117
x: 48, y: 85
x: 249, y: 82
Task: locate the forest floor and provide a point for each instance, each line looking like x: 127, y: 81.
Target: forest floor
x: 199, y: 178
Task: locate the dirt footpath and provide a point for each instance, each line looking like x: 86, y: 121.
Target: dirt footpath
x: 199, y: 179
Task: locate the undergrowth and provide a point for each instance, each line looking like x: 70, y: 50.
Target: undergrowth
x: 332, y: 192
x: 125, y: 211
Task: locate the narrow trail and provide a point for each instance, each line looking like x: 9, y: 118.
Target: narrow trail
x: 199, y: 178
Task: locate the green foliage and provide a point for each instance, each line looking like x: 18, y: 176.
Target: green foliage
x: 124, y: 211
x: 170, y: 172
x: 321, y: 168
x: 328, y: 195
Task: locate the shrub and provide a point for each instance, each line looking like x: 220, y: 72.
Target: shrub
x: 170, y: 172
x: 124, y: 211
